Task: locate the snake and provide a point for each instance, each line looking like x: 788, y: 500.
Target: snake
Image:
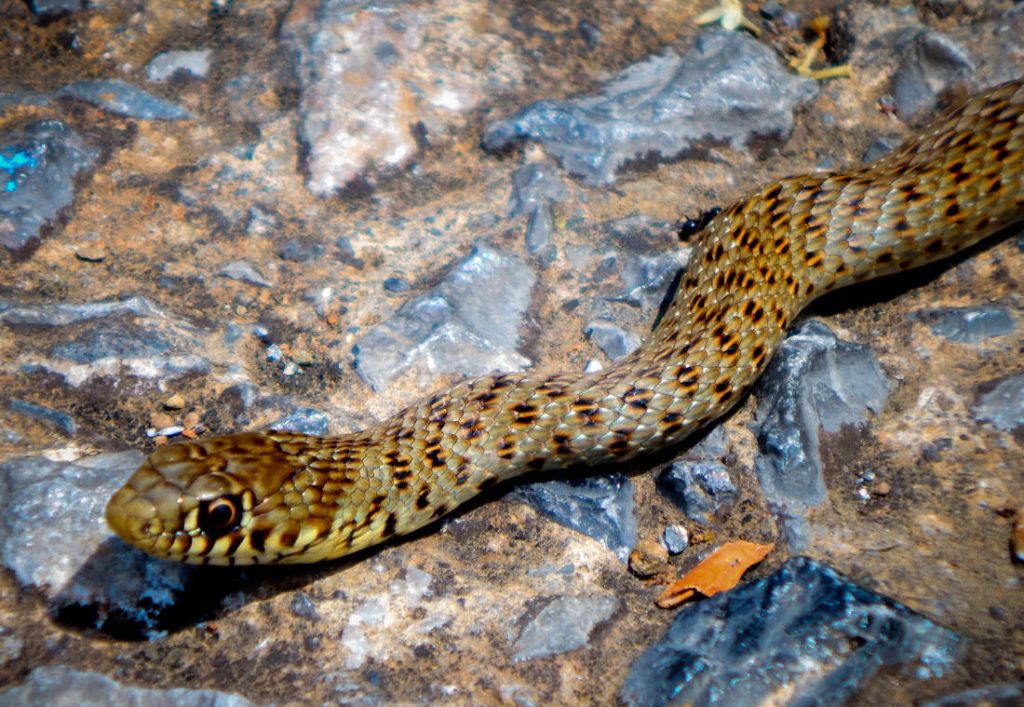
x: 267, y: 497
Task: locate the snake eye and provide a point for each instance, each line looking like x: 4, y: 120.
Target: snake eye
x: 220, y: 515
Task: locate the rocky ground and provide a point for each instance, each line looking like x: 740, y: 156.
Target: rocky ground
x: 218, y: 216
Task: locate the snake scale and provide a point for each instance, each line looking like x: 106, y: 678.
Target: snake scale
x: 283, y: 497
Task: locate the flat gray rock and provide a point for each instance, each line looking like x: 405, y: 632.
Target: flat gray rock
x: 815, y: 383
x: 563, y: 625
x: 728, y: 88
x: 468, y: 324
x: 60, y: 686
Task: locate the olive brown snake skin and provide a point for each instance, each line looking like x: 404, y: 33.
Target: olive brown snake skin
x: 282, y: 497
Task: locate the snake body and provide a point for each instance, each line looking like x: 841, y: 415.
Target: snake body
x: 282, y: 497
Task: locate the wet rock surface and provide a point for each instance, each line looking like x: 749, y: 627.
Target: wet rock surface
x: 280, y: 214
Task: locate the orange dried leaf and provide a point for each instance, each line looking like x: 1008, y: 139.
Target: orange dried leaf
x: 720, y: 570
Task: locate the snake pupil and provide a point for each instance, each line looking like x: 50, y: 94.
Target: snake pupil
x: 219, y: 515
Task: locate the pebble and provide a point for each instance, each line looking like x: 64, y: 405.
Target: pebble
x: 805, y: 624
x: 193, y: 62
x: 174, y: 402
x: 676, y: 538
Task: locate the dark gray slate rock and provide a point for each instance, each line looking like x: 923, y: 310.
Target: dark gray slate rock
x: 806, y: 626
x: 1003, y: 405
x: 122, y: 98
x: 60, y: 685
x: 535, y: 186
x: 44, y: 11
x: 600, y: 507
x: 727, y: 88
x: 968, y: 324
x: 699, y: 488
x: 815, y: 382
x: 468, y: 324
x: 37, y: 169
x: 933, y: 64
x: 563, y: 625
x: 1005, y: 695
x: 88, y: 575
x: 57, y: 418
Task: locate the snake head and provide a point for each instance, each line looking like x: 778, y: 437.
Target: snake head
x: 216, y: 502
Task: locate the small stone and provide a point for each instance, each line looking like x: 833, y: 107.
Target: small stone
x: 159, y: 420
x: 175, y: 402
x: 166, y: 64
x: 676, y: 538
x: 191, y: 419
x: 649, y: 558
x: 882, y: 488
x: 91, y: 252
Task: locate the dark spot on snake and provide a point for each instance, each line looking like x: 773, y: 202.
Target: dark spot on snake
x: 421, y: 500
x: 722, y: 387
x: 956, y: 168
x: 773, y: 195
x: 442, y: 508
x: 619, y: 445
x: 934, y: 246
x: 997, y: 185
x: 258, y: 540
x: 813, y: 260
x: 536, y: 464
x: 757, y: 355
x: 401, y: 485
x: 389, y: 526
x: 236, y: 540
x: 690, y: 381
x: 288, y: 538
x: 487, y: 483
x: 952, y: 210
